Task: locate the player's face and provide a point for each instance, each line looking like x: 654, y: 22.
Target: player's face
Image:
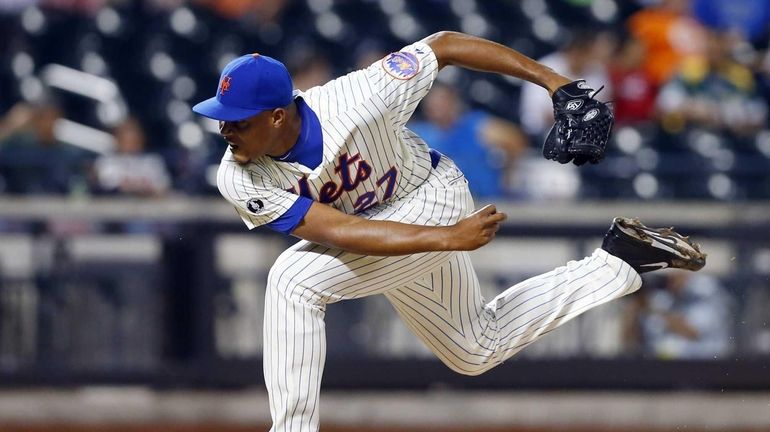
x: 250, y: 138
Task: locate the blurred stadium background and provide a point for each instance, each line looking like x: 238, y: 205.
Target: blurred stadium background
x: 131, y: 294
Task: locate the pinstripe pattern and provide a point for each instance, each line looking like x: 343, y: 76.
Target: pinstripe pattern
x: 362, y: 117
x: 374, y: 166
x: 436, y: 294
x: 446, y: 311
x: 307, y: 277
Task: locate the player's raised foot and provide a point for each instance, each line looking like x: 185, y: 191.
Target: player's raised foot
x: 647, y: 249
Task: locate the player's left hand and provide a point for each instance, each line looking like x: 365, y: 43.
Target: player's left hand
x: 582, y: 125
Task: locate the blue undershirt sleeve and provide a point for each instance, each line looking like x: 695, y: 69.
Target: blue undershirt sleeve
x: 291, y: 218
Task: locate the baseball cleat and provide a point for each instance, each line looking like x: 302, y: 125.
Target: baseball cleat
x: 648, y: 249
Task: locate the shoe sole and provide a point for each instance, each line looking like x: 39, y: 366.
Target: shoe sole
x: 689, y: 255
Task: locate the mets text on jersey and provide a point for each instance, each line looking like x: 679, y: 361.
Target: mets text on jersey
x: 362, y: 170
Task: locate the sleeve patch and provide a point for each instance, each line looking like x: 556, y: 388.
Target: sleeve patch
x: 401, y: 65
x: 255, y: 205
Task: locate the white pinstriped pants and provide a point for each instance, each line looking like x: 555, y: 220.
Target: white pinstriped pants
x: 436, y: 294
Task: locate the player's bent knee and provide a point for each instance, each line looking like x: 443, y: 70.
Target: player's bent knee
x: 469, y: 369
x: 473, y: 371
x: 286, y: 282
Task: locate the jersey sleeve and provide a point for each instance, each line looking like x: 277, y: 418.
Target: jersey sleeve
x: 258, y: 202
x: 403, y: 78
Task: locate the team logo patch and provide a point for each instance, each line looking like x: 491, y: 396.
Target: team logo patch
x: 224, y: 85
x: 574, y: 105
x: 591, y: 114
x: 254, y: 205
x: 401, y: 65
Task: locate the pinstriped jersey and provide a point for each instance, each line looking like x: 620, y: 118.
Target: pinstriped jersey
x: 369, y: 156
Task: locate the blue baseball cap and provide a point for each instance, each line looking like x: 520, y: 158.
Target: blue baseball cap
x: 248, y: 85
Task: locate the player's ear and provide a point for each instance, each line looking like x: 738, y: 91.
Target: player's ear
x: 279, y: 117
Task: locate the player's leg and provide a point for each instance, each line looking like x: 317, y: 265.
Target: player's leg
x: 304, y: 279
x: 445, y: 308
x: 293, y: 357
x: 446, y: 311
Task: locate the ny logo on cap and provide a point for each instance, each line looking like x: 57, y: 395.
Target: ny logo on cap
x: 224, y: 85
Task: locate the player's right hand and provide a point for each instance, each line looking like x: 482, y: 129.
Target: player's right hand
x: 476, y: 229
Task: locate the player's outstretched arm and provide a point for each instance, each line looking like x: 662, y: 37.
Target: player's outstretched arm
x: 470, y: 52
x: 330, y: 227
x: 582, y: 125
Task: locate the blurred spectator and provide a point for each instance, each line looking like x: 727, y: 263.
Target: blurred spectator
x: 482, y: 146
x: 536, y: 179
x: 669, y: 34
x: 367, y: 52
x: 635, y: 91
x: 86, y: 7
x: 316, y: 71
x: 130, y: 170
x: 750, y: 18
x: 754, y: 328
x: 15, y: 6
x: 713, y: 92
x: 260, y: 11
x: 688, y: 318
x: 32, y: 159
x: 585, y: 56
x: 762, y: 74
x: 308, y: 68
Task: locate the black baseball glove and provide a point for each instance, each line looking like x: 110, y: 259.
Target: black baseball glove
x: 582, y: 125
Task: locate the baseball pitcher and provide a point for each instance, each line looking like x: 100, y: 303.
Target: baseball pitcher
x: 379, y: 212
